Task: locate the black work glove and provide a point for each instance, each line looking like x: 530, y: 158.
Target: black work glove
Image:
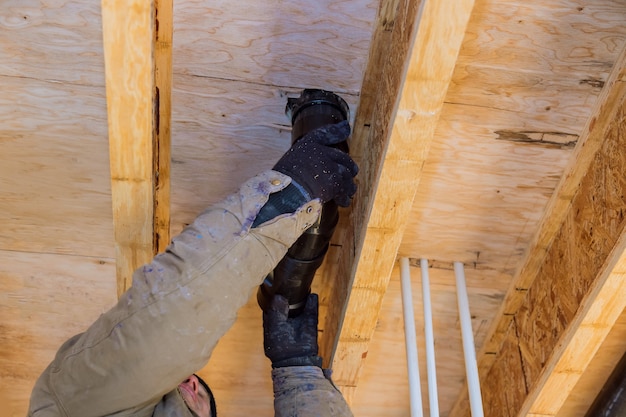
x: 291, y: 341
x: 324, y: 172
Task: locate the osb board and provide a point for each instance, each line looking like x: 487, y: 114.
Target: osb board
x: 383, y: 385
x: 513, y: 389
x: 44, y: 300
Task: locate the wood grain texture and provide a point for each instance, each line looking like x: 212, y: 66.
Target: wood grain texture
x: 300, y: 44
x: 54, y: 173
x: 526, y: 79
x: 382, y: 37
x: 138, y: 106
x: 44, y: 300
x: 480, y: 199
x: 597, y: 372
x: 428, y: 72
x: 550, y: 39
x: 578, y: 262
x: 372, y: 131
x: 162, y: 134
x: 55, y: 40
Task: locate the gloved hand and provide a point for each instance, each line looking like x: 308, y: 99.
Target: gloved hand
x: 324, y: 172
x: 291, y: 341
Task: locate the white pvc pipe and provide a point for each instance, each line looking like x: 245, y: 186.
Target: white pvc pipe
x: 415, y: 391
x: 469, y: 350
x: 430, y: 341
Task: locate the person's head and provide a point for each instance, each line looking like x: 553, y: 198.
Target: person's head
x: 198, y: 396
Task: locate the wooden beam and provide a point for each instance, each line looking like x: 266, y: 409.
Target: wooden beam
x: 162, y: 137
x: 391, y: 141
x: 382, y: 80
x: 137, y: 39
x: 569, y: 292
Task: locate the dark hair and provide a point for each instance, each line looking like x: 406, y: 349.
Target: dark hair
x: 211, y: 397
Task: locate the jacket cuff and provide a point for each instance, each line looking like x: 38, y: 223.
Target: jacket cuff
x: 287, y: 200
x: 299, y: 361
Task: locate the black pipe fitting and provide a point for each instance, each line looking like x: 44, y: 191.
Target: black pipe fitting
x: 293, y: 276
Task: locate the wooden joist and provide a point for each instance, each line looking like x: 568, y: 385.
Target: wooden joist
x: 569, y: 292
x: 138, y: 48
x: 391, y: 139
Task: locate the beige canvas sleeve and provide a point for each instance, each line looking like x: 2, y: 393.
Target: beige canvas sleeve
x: 304, y: 391
x: 166, y: 325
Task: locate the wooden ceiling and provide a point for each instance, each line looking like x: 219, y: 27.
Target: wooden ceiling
x: 488, y: 132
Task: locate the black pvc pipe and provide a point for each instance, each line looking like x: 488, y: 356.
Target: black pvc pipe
x: 293, y: 276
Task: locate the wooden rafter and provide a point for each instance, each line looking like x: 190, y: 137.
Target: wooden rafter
x: 138, y: 48
x: 402, y: 100
x: 569, y: 292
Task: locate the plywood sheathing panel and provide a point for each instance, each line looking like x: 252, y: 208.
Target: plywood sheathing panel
x: 232, y: 77
x: 297, y: 44
x: 54, y: 172
x: 480, y: 199
x: 56, y: 248
x: 44, y: 300
x: 55, y: 41
x: 516, y: 77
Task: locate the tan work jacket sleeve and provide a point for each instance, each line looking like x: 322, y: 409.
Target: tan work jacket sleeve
x: 304, y: 391
x: 166, y: 325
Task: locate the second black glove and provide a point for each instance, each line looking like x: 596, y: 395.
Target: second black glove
x: 291, y: 341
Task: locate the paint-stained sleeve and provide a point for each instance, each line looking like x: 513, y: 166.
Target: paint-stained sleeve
x: 166, y: 325
x: 304, y: 391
